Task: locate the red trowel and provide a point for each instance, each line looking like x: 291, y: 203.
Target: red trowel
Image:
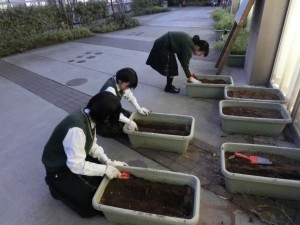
x: 254, y: 159
x: 125, y: 175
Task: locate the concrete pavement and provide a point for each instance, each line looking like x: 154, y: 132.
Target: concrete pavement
x: 40, y: 87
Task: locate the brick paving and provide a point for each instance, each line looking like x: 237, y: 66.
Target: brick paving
x: 201, y: 159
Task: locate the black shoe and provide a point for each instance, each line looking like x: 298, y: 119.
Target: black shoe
x: 172, y: 89
x: 178, y: 89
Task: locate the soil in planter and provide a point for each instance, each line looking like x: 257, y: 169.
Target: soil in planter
x: 249, y: 94
x: 282, y: 167
x: 252, y: 112
x: 214, y: 81
x: 150, y: 197
x: 163, y: 127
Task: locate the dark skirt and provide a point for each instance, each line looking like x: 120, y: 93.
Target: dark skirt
x: 161, y: 57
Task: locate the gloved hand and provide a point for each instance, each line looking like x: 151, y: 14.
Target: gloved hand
x: 132, y: 125
x: 115, y: 163
x: 144, y: 111
x: 193, y: 80
x: 112, y: 172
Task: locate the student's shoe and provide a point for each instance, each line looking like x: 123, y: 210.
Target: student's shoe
x: 172, y: 89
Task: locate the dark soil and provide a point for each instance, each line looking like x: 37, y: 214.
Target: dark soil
x: 150, y: 197
x: 252, y: 112
x: 214, y: 81
x: 282, y: 167
x: 164, y: 128
x: 250, y: 94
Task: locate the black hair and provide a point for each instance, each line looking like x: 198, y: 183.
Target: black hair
x: 204, y: 46
x: 103, y: 106
x: 127, y: 75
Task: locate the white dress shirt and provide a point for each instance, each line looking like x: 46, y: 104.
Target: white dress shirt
x: 74, y: 144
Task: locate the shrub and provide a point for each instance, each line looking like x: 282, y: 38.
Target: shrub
x: 91, y: 12
x: 240, y: 45
x: 113, y: 23
x: 219, y: 13
x: 225, y: 23
x: 25, y: 43
x: 143, y: 7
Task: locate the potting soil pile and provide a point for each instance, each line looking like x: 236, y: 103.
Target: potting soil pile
x: 281, y: 167
x: 151, y: 197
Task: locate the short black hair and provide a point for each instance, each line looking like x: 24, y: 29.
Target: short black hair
x: 127, y: 75
x: 204, y: 46
x: 103, y: 106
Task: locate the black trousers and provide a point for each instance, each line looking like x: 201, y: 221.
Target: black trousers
x: 108, y: 130
x: 75, y: 191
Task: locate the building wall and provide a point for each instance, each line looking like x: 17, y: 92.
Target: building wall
x: 266, y: 27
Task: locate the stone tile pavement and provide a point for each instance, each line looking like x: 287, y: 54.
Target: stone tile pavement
x: 201, y: 159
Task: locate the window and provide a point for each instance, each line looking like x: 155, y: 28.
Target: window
x: 286, y: 71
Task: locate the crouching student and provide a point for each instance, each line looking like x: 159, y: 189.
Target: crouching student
x: 121, y: 85
x: 75, y: 164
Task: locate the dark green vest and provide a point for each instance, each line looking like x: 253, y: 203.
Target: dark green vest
x: 111, y: 83
x: 54, y: 157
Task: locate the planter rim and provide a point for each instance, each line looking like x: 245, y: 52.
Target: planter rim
x: 237, y: 55
x: 227, y: 77
x: 288, y: 118
x: 164, y: 175
x: 282, y: 99
x: 165, y: 136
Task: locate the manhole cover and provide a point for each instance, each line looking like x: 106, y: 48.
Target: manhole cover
x: 76, y: 82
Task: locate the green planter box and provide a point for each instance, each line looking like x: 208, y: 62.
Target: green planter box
x: 130, y: 217
x: 253, y: 125
x: 207, y: 90
x: 164, y: 142
x: 262, y: 90
x: 259, y: 185
x: 236, y: 60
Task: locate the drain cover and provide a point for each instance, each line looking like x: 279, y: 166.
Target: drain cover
x: 76, y: 82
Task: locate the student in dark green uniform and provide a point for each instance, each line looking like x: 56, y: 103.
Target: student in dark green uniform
x: 75, y: 164
x: 162, y: 56
x: 121, y: 85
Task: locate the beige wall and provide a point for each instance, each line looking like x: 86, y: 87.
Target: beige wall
x: 266, y: 27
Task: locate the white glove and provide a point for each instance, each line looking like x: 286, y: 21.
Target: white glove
x: 132, y: 125
x: 112, y: 172
x: 115, y: 163
x: 143, y: 111
x: 194, y: 81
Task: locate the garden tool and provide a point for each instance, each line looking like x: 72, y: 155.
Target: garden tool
x: 254, y: 159
x: 125, y: 175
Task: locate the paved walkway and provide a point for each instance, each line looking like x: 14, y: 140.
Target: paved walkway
x: 54, y: 81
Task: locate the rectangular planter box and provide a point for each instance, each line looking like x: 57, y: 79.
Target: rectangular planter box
x: 205, y: 90
x: 130, y: 217
x: 165, y: 142
x: 236, y: 60
x: 257, y: 185
x: 253, y: 125
x: 274, y: 91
